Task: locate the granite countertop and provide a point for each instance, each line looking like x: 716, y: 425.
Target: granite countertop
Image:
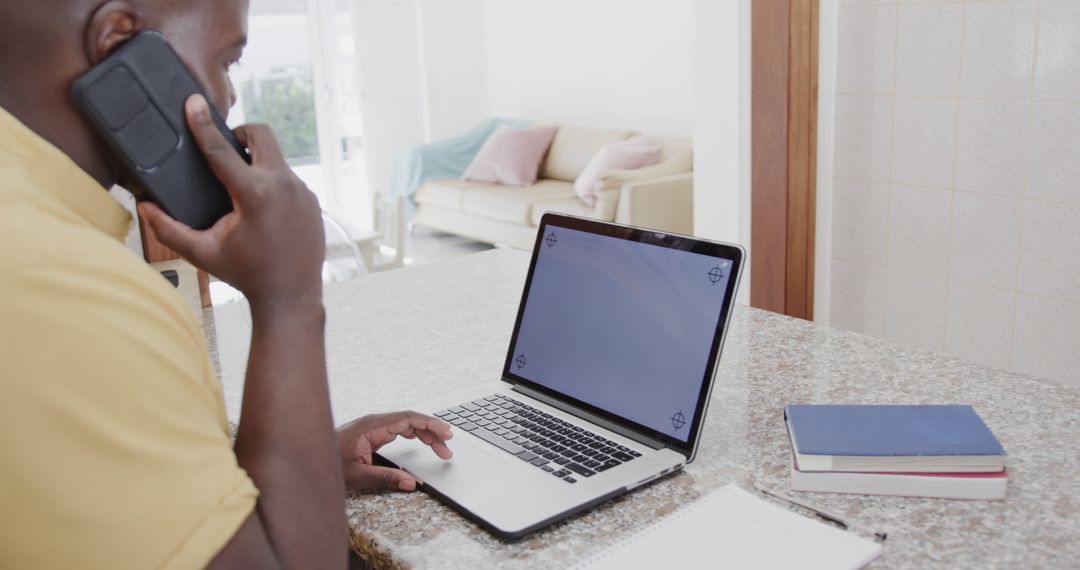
x: 405, y: 336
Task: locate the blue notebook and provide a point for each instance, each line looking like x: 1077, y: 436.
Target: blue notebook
x: 889, y: 430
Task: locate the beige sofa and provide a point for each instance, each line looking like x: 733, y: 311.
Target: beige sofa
x: 658, y: 197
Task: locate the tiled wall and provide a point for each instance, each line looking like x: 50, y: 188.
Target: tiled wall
x: 956, y: 199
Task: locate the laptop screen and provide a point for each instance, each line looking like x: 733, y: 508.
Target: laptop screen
x: 625, y: 321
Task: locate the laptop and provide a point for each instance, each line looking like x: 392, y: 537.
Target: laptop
x: 606, y: 381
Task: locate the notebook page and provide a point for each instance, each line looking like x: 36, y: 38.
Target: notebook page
x: 733, y: 529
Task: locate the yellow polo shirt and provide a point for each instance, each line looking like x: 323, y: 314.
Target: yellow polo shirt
x: 114, y: 447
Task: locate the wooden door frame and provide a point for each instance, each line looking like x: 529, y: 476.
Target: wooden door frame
x: 784, y: 98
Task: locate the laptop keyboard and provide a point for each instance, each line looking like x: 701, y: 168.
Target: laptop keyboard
x: 545, y: 441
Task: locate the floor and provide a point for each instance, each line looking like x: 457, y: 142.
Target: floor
x: 422, y: 245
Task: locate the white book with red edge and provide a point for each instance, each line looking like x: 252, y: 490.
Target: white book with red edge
x: 988, y: 486
x: 907, y: 442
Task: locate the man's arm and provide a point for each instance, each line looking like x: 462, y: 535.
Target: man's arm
x: 271, y: 248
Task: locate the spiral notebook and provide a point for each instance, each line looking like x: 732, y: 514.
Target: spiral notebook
x: 732, y: 528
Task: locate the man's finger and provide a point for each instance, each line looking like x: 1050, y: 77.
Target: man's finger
x: 441, y: 450
x: 376, y: 477
x: 226, y: 163
x: 425, y: 436
x: 437, y: 444
x: 405, y: 421
x: 191, y: 244
x: 262, y: 145
x: 386, y: 427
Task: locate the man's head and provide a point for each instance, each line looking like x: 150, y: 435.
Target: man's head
x: 46, y: 44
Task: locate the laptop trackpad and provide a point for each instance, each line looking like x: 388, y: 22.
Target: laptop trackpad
x: 487, y: 485
x: 466, y: 472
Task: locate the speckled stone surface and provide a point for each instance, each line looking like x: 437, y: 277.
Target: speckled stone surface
x: 409, y: 335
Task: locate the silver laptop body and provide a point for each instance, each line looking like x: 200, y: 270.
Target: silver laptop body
x: 606, y: 381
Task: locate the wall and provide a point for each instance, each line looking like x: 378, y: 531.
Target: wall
x: 722, y: 125
x: 391, y: 97
x: 453, y: 50
x: 956, y: 189
x: 828, y: 20
x: 601, y: 63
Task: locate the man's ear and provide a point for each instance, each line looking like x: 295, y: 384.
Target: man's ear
x: 112, y: 24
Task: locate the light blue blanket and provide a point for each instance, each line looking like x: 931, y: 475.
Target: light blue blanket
x: 442, y: 159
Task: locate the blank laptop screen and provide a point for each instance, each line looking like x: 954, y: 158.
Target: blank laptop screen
x: 624, y: 326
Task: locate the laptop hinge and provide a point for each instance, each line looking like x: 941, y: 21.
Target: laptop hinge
x: 591, y: 417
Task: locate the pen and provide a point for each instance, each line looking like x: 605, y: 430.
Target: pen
x: 836, y: 519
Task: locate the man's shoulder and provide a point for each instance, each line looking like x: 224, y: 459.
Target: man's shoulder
x: 38, y: 229
x: 100, y: 280
x: 59, y: 266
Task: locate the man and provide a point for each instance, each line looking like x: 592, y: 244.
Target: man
x: 115, y: 445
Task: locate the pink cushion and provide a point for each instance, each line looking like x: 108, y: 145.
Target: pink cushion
x: 634, y: 153
x: 511, y: 156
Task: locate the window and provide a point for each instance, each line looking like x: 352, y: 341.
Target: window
x: 300, y: 75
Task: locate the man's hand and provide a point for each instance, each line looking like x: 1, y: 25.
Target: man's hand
x: 271, y: 246
x: 361, y: 438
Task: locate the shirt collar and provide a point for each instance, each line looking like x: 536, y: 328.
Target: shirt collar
x: 53, y: 172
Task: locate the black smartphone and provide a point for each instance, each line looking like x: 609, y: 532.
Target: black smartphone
x: 135, y: 99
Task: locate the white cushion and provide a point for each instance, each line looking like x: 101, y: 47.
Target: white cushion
x: 680, y: 150
x: 513, y: 203
x: 573, y: 148
x: 677, y: 158
x: 629, y: 154
x: 571, y: 206
x: 446, y: 193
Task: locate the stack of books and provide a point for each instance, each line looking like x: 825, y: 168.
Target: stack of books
x: 919, y: 451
